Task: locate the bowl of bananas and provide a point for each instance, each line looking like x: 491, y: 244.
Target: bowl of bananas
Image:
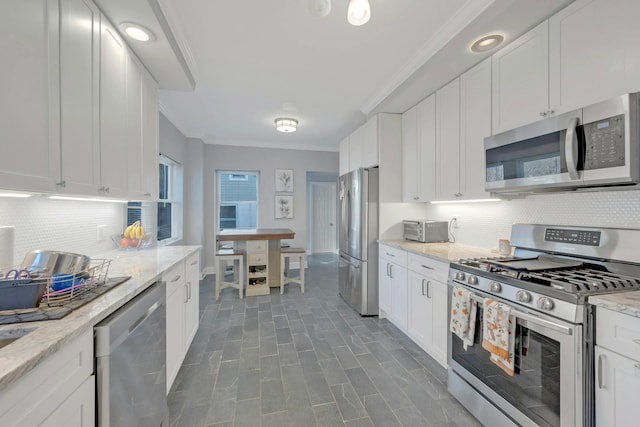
x: 133, y: 237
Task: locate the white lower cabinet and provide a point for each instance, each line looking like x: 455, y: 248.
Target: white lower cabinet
x: 392, y: 285
x: 617, y: 368
x: 192, y: 315
x: 427, y: 317
x: 183, y: 312
x: 60, y: 391
x: 399, y: 297
x: 77, y: 410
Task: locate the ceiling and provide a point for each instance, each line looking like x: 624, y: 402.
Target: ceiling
x: 255, y: 60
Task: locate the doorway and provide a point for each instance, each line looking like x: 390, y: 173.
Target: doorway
x: 322, y: 212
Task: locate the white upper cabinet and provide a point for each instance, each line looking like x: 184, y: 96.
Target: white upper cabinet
x: 589, y: 49
x: 79, y: 94
x: 29, y: 83
x: 520, y: 74
x: 475, y: 125
x: 385, y: 132
x: 369, y: 149
x: 142, y: 132
x: 419, y: 152
x: 448, y: 141
x: 150, y: 149
x: 356, y: 141
x: 113, y: 123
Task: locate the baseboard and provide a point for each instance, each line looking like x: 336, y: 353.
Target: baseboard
x: 208, y: 270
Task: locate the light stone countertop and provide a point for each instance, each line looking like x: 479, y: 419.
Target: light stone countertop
x: 446, y: 251
x: 622, y: 302
x: 145, y: 267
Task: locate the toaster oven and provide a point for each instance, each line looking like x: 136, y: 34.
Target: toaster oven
x: 426, y: 231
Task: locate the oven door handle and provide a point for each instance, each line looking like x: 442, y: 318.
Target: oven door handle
x: 533, y: 319
x: 571, y: 149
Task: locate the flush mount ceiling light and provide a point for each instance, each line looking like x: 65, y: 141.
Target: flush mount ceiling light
x: 137, y: 32
x: 358, y: 12
x: 319, y: 7
x: 286, y: 125
x: 486, y: 43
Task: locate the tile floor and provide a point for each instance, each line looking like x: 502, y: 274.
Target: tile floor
x: 303, y: 360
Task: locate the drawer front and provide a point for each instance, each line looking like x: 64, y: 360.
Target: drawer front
x: 174, y: 277
x: 193, y: 261
x: 618, y: 332
x: 257, y: 259
x: 428, y: 267
x: 254, y: 246
x: 397, y: 256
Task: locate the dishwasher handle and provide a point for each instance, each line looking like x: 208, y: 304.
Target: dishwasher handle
x: 115, y: 329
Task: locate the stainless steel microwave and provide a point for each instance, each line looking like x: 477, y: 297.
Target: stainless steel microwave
x: 598, y: 145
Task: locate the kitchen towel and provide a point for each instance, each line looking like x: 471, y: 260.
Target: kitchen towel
x: 499, y: 334
x: 463, y: 315
x: 7, y: 242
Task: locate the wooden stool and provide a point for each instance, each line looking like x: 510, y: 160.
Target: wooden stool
x: 223, y: 257
x: 285, y: 255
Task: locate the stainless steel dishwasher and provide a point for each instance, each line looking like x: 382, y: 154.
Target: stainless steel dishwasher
x: 130, y: 347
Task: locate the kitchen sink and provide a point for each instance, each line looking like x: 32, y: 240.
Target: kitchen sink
x: 9, y: 336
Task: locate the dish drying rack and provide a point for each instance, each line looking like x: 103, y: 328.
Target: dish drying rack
x: 80, y: 283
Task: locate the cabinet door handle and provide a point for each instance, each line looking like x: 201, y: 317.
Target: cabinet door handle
x: 194, y: 262
x: 600, y: 386
x: 391, y: 270
x: 429, y: 289
x: 186, y: 294
x: 544, y: 113
x: 189, y: 293
x: 175, y: 279
x: 423, y: 280
x: 426, y: 266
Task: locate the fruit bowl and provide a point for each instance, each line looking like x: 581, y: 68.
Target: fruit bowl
x: 122, y: 242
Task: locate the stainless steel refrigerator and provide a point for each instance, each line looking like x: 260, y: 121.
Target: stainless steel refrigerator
x: 358, y: 237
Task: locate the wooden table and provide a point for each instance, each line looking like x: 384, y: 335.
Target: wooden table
x: 262, y: 246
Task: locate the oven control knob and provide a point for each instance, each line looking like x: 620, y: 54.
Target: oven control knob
x: 472, y: 280
x: 523, y: 296
x: 545, y: 303
x: 460, y: 275
x: 495, y: 287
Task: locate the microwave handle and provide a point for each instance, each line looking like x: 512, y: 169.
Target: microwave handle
x: 571, y: 148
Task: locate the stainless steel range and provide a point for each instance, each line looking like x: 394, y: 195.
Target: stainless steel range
x: 547, y: 284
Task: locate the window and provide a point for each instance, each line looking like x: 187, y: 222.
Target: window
x: 170, y: 200
x: 237, y: 199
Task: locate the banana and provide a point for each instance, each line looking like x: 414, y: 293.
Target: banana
x: 128, y: 230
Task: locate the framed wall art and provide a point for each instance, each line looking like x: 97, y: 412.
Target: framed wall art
x: 284, y: 207
x: 284, y: 180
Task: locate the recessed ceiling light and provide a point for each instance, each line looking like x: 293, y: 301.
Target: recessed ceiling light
x: 137, y: 32
x: 486, y: 43
x: 286, y: 125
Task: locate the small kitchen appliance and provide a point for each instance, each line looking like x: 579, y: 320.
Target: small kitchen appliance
x: 547, y: 284
x: 598, y: 145
x: 425, y: 230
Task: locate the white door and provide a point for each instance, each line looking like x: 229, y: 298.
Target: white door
x: 323, y: 218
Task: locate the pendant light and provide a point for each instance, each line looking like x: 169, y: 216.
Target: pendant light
x: 358, y: 12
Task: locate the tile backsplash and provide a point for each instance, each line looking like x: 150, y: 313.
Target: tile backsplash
x: 482, y: 224
x: 71, y: 226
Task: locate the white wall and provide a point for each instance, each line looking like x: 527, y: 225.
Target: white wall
x: 482, y: 224
x: 266, y: 161
x: 63, y: 225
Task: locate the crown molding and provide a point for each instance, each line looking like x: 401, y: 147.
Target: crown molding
x: 470, y: 11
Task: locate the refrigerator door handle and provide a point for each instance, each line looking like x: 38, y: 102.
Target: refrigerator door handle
x: 349, y: 262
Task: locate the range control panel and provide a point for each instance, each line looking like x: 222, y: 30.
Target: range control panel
x: 578, y: 237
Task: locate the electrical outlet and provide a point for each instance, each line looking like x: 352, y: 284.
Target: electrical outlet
x: 101, y: 235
